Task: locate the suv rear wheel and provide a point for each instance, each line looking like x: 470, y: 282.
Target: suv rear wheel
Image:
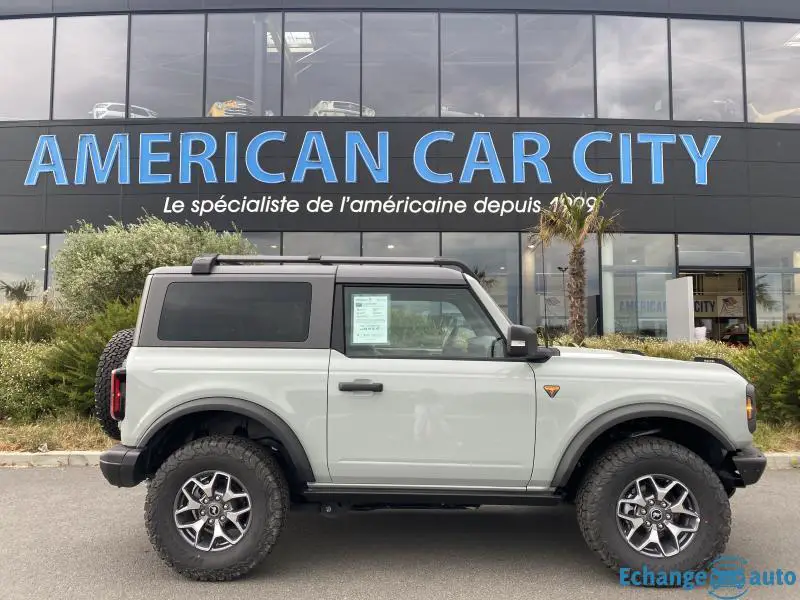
x: 652, y: 502
x: 216, y: 508
x: 113, y: 356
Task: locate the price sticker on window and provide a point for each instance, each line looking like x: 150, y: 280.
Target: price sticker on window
x: 370, y: 319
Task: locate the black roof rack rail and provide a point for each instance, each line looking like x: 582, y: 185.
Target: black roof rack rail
x: 630, y: 351
x: 204, y: 265
x: 719, y: 361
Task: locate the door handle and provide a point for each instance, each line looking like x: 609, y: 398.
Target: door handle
x: 360, y: 386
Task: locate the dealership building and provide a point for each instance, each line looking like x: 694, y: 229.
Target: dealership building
x: 424, y: 127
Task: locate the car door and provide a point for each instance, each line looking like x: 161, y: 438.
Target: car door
x: 419, y: 393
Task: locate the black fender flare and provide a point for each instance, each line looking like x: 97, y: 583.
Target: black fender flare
x: 602, y: 423
x: 275, y: 424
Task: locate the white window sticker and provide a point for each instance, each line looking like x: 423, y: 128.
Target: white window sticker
x: 370, y: 319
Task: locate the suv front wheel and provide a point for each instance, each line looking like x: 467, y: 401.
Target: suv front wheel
x: 652, y: 502
x: 216, y: 508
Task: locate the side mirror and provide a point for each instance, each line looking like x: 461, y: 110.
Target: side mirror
x: 522, y: 342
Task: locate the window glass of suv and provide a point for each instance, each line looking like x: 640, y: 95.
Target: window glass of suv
x: 417, y: 322
x: 236, y: 311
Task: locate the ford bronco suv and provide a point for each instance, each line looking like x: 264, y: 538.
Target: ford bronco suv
x: 256, y: 385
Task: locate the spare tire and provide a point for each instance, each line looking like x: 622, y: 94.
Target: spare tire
x: 112, y: 358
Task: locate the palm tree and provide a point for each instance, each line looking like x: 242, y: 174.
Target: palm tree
x: 572, y: 222
x: 763, y: 297
x: 18, y: 291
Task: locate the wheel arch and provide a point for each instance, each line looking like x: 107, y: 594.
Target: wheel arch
x: 672, y: 422
x: 217, y: 413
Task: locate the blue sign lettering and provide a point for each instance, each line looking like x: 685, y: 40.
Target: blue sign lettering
x: 204, y: 156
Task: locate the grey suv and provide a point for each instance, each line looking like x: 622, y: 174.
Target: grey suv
x: 255, y: 385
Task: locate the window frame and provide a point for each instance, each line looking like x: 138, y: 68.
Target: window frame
x: 339, y: 331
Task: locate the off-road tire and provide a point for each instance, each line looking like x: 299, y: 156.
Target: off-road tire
x: 597, y: 498
x: 113, y: 356
x: 258, y: 471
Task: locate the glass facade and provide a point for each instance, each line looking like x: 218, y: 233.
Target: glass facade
x: 544, y: 285
x: 706, y: 70
x: 478, y: 61
x: 626, y: 273
x: 636, y: 268
x: 400, y: 64
x: 495, y: 258
x: 22, y: 267
x: 554, y: 81
x: 166, y: 77
x: 777, y: 279
x: 399, y: 68
x: 243, y: 74
x: 26, y: 56
x: 632, y: 68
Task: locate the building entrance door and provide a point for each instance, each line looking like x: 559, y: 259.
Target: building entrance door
x: 721, y: 304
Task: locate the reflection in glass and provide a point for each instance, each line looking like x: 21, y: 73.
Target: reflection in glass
x: 478, y: 65
x: 316, y: 244
x: 706, y: 70
x: 400, y: 64
x: 243, y: 65
x: 494, y: 257
x: 26, y: 54
x: 54, y: 244
x: 544, y: 282
x: 632, y: 68
x: 91, y: 58
x: 556, y: 80
x: 777, y: 279
x: 714, y: 250
x: 401, y: 244
x: 636, y: 268
x: 772, y: 57
x: 267, y: 243
x: 321, y: 77
x: 166, y: 77
x: 21, y: 267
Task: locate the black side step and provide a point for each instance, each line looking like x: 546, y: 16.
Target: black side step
x: 432, y: 497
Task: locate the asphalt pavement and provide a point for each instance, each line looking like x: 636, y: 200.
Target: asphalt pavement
x: 66, y: 534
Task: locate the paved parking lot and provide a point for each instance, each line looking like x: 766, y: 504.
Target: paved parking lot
x: 68, y: 535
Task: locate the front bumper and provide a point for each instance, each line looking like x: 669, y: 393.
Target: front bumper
x: 123, y: 466
x: 750, y: 464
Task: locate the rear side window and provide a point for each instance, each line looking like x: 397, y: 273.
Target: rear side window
x: 236, y: 311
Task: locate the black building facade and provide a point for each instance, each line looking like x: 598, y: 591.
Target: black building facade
x: 424, y: 128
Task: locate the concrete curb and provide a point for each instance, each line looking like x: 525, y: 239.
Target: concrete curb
x: 776, y: 461
x: 74, y: 458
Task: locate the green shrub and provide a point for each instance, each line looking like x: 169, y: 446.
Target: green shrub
x: 772, y: 364
x: 97, y: 266
x: 658, y: 347
x: 72, y: 364
x: 30, y: 321
x: 24, y: 389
